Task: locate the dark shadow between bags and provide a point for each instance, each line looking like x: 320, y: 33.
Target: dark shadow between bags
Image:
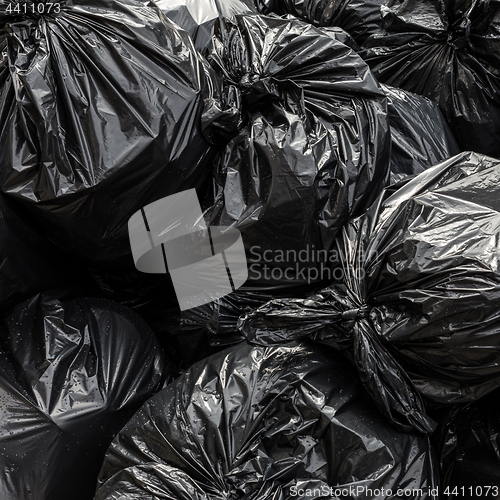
x: 468, y: 445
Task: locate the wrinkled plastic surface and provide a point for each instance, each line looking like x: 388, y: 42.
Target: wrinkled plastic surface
x: 360, y: 18
x: 215, y: 324
x: 73, y: 371
x: 260, y: 180
x: 469, y: 448
x: 100, y: 106
x: 198, y: 17
x: 416, y: 303
x: 306, y: 144
x: 420, y: 135
x: 254, y: 422
x: 421, y: 138
x: 29, y: 264
x: 448, y: 51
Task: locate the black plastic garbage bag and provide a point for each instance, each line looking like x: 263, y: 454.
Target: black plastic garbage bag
x: 420, y: 135
x: 261, y: 424
x: 198, y: 17
x: 360, y: 18
x: 308, y: 152
x: 469, y: 449
x: 421, y: 138
x: 448, y: 51
x: 73, y: 371
x: 306, y: 138
x: 29, y: 264
x: 415, y: 294
x: 100, y: 111
x: 299, y: 165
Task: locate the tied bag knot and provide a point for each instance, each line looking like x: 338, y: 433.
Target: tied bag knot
x: 356, y: 313
x: 242, y: 89
x: 329, y: 317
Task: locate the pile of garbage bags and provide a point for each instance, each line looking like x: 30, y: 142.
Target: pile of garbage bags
x: 416, y: 303
x: 335, y: 163
x: 255, y: 422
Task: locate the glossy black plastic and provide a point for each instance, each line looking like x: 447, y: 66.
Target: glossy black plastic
x: 100, y: 108
x: 421, y: 138
x: 73, y: 371
x: 262, y: 424
x: 360, y: 18
x: 415, y: 301
x: 449, y: 51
